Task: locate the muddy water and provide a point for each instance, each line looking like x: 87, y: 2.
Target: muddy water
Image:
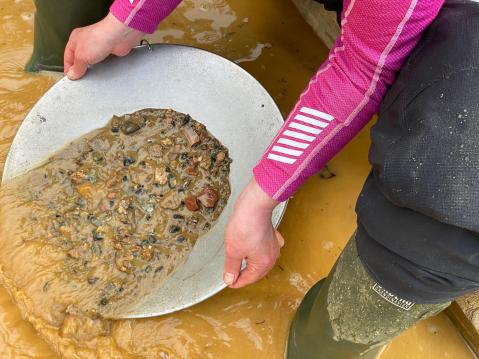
x: 269, y: 39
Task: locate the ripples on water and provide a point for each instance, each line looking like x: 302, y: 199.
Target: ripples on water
x: 250, y: 322
x: 18, y: 91
x: 215, y: 14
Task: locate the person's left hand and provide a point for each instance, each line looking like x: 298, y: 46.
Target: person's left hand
x: 250, y: 236
x: 91, y: 44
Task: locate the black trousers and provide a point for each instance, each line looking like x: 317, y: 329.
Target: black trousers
x: 418, y: 213
x: 417, y: 243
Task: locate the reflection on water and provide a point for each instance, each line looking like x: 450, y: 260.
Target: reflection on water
x: 215, y: 14
x: 270, y: 40
x: 168, y: 35
x: 254, y: 53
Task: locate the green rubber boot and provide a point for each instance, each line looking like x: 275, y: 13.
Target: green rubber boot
x: 342, y: 317
x: 54, y: 21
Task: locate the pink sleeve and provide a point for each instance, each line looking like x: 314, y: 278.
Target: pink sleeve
x: 376, y: 38
x: 143, y: 15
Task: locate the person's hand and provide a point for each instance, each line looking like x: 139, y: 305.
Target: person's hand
x: 250, y: 235
x: 91, y: 44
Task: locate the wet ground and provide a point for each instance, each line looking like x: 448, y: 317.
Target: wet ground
x: 270, y: 40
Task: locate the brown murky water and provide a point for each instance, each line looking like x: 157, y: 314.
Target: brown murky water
x: 271, y: 41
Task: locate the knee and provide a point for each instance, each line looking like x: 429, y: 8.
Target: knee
x: 425, y: 154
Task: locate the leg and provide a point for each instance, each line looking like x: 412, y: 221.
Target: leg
x: 54, y: 21
x: 344, y: 318
x: 417, y: 214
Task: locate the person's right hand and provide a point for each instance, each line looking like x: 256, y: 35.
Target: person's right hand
x: 91, y: 44
x: 250, y: 235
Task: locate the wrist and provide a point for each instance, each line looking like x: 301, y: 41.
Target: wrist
x: 257, y: 199
x: 115, y: 28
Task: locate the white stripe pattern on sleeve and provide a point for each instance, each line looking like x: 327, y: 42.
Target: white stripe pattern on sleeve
x: 298, y: 135
x: 305, y: 128
x: 310, y: 122
x: 292, y: 143
x: 283, y: 159
x: 286, y: 150
x: 317, y: 113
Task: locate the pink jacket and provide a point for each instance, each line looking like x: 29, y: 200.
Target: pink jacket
x: 143, y: 15
x: 376, y: 38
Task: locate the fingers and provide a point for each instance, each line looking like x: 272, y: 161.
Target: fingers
x: 73, y: 65
x: 232, y: 266
x: 68, y: 57
x: 258, y: 263
x: 78, y: 69
x: 92, y: 44
x: 253, y: 273
x: 279, y: 238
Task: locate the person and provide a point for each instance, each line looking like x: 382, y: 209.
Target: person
x: 416, y: 246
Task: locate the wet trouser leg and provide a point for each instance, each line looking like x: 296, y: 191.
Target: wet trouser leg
x: 418, y: 213
x: 342, y: 317
x: 54, y: 21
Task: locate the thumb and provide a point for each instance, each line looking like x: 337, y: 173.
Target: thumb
x: 78, y: 69
x: 279, y: 238
x: 232, y: 268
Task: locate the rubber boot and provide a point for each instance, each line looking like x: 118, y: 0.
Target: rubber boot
x: 54, y: 21
x: 342, y: 317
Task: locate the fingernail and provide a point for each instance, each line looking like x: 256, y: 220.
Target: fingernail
x: 228, y: 278
x: 70, y: 74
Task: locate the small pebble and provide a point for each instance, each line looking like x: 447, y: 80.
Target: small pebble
x: 174, y: 229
